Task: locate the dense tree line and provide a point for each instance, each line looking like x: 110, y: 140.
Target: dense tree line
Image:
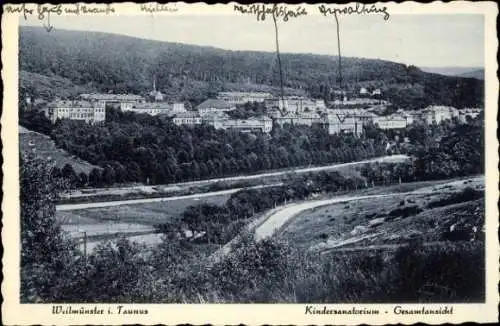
x: 445, y: 150
x: 194, y: 73
x: 141, y: 148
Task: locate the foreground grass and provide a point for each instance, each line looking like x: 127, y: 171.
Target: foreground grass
x: 282, y: 269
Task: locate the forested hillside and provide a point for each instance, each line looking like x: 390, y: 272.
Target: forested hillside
x: 109, y: 62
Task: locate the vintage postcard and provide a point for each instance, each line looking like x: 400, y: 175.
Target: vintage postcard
x: 250, y: 163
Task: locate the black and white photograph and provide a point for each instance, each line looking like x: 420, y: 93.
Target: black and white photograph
x: 322, y: 155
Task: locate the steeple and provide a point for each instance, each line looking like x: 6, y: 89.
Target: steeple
x: 154, y: 84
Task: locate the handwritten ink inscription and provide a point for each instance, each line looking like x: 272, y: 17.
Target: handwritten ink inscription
x: 19, y: 10
x: 43, y: 10
x: 278, y: 11
x: 357, y: 9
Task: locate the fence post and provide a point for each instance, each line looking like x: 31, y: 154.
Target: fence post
x: 85, y: 245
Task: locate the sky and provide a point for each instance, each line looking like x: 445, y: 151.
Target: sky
x: 455, y: 40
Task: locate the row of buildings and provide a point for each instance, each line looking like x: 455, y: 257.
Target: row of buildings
x: 221, y: 120
x: 91, y: 108
x: 345, y: 117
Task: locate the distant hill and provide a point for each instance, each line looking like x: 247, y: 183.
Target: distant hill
x: 468, y: 72
x: 478, y: 74
x: 49, y: 86
x: 110, y: 62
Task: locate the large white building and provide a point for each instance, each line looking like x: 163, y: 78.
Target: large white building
x: 359, y: 102
x: 438, y: 113
x: 121, y: 101
x: 188, y: 118
x: 178, y: 107
x: 342, y: 121
x: 262, y: 124
x: 155, y: 108
x: 220, y: 120
x: 393, y: 121
x: 295, y: 104
x: 299, y: 119
x: 90, y: 112
x: 243, y: 97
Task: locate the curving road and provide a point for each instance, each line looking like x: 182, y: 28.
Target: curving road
x: 179, y: 186
x: 71, y: 207
x: 278, y: 219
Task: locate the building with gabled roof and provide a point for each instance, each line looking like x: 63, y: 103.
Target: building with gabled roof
x: 122, y: 101
x: 243, y: 97
x: 151, y: 108
x: 90, y: 112
x: 215, y: 105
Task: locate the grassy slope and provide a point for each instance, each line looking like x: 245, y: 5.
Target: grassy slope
x: 329, y: 225
x: 46, y: 149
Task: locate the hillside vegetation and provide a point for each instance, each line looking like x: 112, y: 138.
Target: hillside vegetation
x: 468, y: 72
x: 193, y: 73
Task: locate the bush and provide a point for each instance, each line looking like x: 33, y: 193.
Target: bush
x: 468, y: 194
x: 405, y: 212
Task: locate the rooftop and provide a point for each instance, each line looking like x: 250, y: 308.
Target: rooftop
x: 73, y: 104
x: 110, y: 97
x: 152, y: 105
x: 213, y: 103
x: 256, y: 94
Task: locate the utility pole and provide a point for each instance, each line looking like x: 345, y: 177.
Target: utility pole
x: 340, y: 56
x: 85, y: 245
x: 279, y: 61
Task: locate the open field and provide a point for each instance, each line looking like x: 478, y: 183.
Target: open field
x: 41, y: 145
x: 135, y: 221
x: 149, y: 213
x: 425, y: 216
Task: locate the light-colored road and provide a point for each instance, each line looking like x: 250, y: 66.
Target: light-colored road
x: 273, y: 220
x: 105, y: 228
x: 278, y: 219
x: 72, y: 207
x: 183, y: 185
